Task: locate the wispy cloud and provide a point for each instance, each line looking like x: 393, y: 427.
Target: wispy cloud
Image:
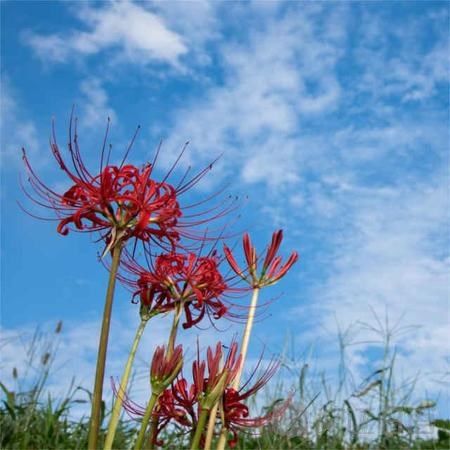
x: 415, y: 69
x: 391, y: 260
x: 17, y: 130
x: 340, y: 153
x: 95, y: 107
x: 279, y: 74
x: 136, y: 34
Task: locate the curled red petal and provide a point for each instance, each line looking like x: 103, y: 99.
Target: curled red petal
x: 232, y: 261
x: 277, y: 237
x: 289, y: 263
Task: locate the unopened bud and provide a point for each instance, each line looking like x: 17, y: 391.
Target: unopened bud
x: 165, y: 368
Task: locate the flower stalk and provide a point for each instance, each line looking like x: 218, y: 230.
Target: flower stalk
x: 244, y: 348
x: 211, y: 426
x: 102, y: 349
x: 246, y: 336
x: 271, y: 272
x: 145, y: 420
x: 199, y: 430
x: 115, y: 415
x: 222, y: 439
x: 164, y: 369
x: 174, y: 329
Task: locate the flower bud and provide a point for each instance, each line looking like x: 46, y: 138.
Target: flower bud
x: 165, y: 367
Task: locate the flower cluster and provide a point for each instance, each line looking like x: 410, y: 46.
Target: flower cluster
x: 122, y: 203
x: 183, y: 402
x: 179, y: 279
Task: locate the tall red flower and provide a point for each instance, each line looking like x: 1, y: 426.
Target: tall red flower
x: 120, y: 201
x: 272, y: 268
x: 219, y: 373
x: 186, y: 279
x: 236, y: 413
x: 183, y: 401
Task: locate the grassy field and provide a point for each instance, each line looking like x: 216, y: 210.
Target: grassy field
x: 377, y: 415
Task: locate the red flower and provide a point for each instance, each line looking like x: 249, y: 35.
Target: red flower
x: 182, y: 402
x: 221, y: 372
x: 165, y: 368
x: 193, y: 281
x: 236, y: 412
x: 272, y: 269
x: 120, y: 201
x: 209, y: 379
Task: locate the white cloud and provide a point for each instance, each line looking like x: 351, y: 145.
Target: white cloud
x: 197, y: 22
x: 411, y: 72
x: 278, y: 75
x: 17, y: 131
x: 392, y: 260
x: 139, y: 36
x: 95, y: 107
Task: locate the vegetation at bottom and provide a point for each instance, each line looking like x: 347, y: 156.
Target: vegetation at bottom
x: 377, y: 415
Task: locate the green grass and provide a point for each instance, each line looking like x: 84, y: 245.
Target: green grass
x: 375, y: 413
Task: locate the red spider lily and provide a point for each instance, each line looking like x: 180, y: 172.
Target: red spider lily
x: 272, y: 268
x: 182, y: 402
x: 210, y: 378
x: 120, y: 201
x: 165, y: 367
x: 236, y: 412
x: 219, y: 373
x: 186, y: 279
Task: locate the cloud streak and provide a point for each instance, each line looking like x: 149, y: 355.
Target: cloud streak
x: 17, y: 131
x: 138, y: 36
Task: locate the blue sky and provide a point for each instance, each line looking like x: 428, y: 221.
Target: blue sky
x: 331, y: 117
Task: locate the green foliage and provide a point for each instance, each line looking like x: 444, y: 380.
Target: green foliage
x: 371, y: 416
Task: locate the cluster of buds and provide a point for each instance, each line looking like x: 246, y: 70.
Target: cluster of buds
x: 183, y: 402
x: 165, y: 367
x: 272, y: 269
x: 211, y: 385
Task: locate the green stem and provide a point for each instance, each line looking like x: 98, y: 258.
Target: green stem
x: 145, y: 421
x: 211, y: 426
x: 170, y: 349
x: 115, y: 415
x: 102, y: 348
x: 153, y: 431
x: 174, y: 330
x: 199, y: 430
